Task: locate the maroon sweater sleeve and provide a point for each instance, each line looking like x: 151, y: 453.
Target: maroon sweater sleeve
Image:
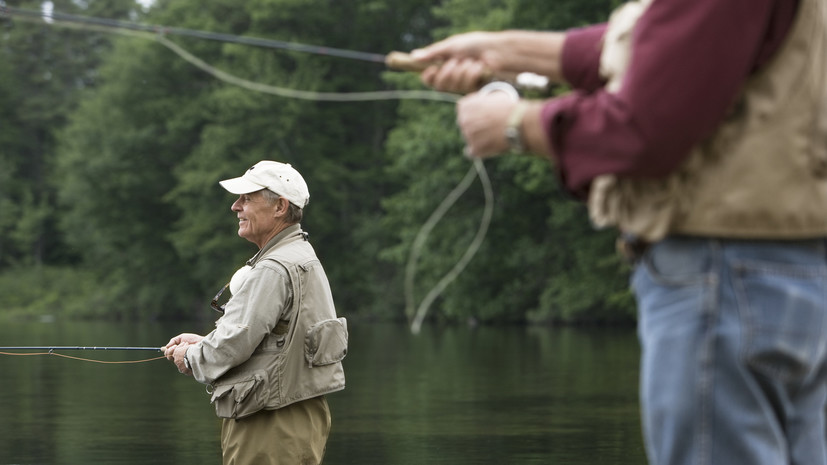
x: 690, y: 60
x: 581, y: 57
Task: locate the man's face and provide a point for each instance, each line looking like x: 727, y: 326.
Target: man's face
x: 256, y: 217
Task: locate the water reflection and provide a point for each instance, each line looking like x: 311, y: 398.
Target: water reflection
x: 447, y: 396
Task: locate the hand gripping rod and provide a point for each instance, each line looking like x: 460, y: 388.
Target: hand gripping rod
x: 526, y: 81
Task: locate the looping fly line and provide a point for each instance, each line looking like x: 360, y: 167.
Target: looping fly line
x: 418, y: 314
x: 158, y: 34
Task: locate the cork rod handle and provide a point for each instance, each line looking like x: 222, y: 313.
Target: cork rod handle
x: 404, y: 62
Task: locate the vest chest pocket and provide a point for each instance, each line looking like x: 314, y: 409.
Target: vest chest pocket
x: 326, y: 342
x: 238, y: 398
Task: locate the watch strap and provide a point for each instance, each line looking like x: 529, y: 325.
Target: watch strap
x: 513, y: 129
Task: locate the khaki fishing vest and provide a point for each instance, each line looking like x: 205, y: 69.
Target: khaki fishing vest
x: 301, y: 358
x: 762, y: 175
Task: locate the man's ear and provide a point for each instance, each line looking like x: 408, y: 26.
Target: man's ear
x: 282, y: 205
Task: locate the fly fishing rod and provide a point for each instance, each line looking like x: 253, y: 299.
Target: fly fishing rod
x: 395, y: 60
x: 52, y: 348
x: 53, y: 351
x: 167, y: 30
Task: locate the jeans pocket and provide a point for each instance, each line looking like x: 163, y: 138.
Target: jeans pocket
x: 677, y: 262
x: 674, y: 285
x: 782, y: 308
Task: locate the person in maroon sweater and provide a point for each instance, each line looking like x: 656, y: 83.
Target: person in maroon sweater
x: 696, y: 64
x: 690, y: 63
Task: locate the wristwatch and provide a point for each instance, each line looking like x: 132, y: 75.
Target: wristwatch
x: 187, y: 362
x: 513, y: 135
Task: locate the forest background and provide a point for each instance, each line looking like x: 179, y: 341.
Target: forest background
x: 111, y: 148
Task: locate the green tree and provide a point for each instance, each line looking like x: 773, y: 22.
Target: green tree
x: 43, y: 71
x: 112, y: 147
x: 114, y: 169
x: 142, y: 155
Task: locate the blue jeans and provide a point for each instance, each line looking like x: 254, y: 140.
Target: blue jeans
x: 734, y: 340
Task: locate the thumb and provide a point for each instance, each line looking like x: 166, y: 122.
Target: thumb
x: 419, y: 54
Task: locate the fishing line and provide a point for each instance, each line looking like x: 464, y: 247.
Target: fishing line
x: 51, y: 351
x: 475, y: 244
x: 410, y: 270
x: 126, y: 25
x: 478, y: 168
x: 304, y: 94
x: 244, y: 83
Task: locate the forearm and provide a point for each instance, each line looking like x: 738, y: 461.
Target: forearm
x: 532, y: 51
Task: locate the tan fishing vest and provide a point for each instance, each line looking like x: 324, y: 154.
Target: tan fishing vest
x: 762, y: 175
x: 301, y: 358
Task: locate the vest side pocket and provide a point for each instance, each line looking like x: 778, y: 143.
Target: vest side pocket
x: 238, y: 398
x: 325, y: 342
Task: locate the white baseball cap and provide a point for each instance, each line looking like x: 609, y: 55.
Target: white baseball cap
x: 280, y: 178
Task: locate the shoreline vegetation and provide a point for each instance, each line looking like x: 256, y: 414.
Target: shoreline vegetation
x: 111, y: 148
x: 48, y: 294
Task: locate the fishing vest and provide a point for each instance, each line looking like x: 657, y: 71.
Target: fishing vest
x: 301, y: 358
x: 761, y: 175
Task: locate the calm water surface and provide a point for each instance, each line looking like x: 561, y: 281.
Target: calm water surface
x: 446, y: 396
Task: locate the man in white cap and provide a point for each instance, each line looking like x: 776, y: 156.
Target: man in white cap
x: 278, y: 348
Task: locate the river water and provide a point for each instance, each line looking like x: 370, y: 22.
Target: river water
x: 512, y: 395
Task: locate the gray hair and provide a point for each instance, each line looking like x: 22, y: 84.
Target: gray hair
x: 294, y: 213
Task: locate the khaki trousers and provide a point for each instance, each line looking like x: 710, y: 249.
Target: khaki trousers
x: 292, y: 435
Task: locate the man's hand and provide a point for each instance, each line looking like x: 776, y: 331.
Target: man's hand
x: 178, y: 355
x: 482, y: 120
x: 465, y: 62
x: 461, y: 63
x: 189, y: 338
x: 176, y: 350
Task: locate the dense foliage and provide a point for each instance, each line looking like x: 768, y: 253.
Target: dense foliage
x: 111, y: 148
